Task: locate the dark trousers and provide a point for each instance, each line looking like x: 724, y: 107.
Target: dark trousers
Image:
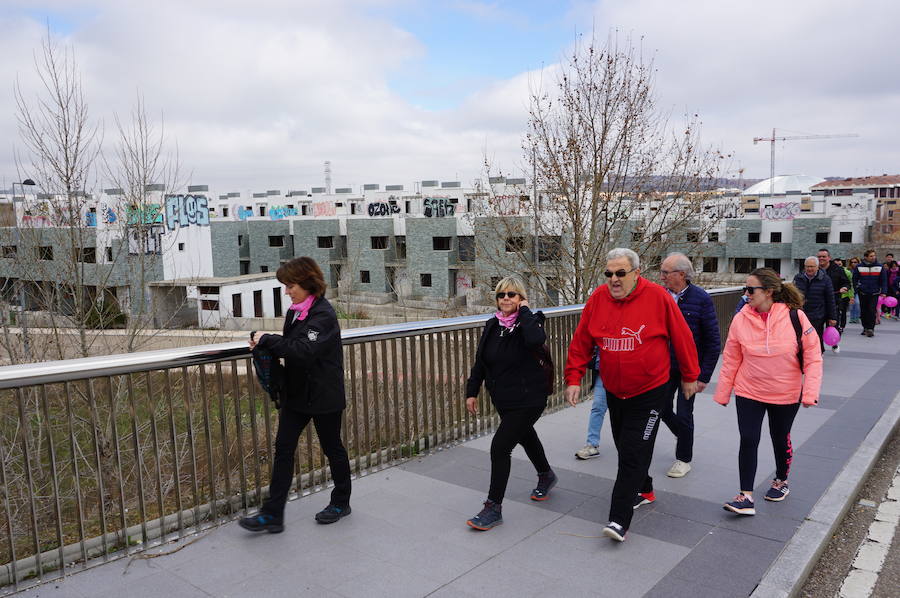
x: 819, y: 325
x: 634, y: 423
x: 867, y: 305
x: 290, y: 426
x: 781, y: 418
x: 843, y: 305
x: 516, y: 427
x: 680, y: 419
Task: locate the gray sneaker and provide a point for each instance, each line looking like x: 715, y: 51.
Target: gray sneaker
x: 679, y: 469
x: 588, y: 451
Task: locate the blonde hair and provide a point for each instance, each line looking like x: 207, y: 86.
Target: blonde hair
x: 511, y: 283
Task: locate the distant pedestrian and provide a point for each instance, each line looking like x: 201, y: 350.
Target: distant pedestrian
x: 843, y: 305
x: 893, y: 278
x: 854, y: 299
x: 818, y: 295
x: 869, y: 283
x: 506, y: 362
x: 700, y: 314
x: 761, y: 365
x: 840, y: 282
x: 634, y: 322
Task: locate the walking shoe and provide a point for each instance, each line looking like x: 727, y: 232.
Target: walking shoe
x: 588, y: 451
x: 262, y: 522
x: 679, y: 469
x: 836, y: 349
x: 332, y: 513
x: 546, y: 481
x: 490, y: 516
x: 870, y: 333
x: 614, y: 531
x: 778, y: 491
x: 741, y: 504
x: 644, y: 498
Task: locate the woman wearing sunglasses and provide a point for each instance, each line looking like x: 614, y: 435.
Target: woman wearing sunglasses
x: 761, y: 365
x: 506, y: 361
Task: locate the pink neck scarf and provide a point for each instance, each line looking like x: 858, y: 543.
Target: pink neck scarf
x: 302, y: 308
x: 508, y: 321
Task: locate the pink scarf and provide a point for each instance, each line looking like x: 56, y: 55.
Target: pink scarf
x: 302, y: 308
x: 508, y: 321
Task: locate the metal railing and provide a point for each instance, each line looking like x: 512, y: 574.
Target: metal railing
x: 104, y: 457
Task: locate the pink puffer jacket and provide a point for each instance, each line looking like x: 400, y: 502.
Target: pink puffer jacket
x: 760, y: 359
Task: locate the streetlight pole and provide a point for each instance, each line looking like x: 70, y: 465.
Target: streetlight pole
x: 23, y: 318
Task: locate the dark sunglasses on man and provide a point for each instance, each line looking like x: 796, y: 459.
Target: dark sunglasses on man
x: 618, y: 273
x: 510, y: 294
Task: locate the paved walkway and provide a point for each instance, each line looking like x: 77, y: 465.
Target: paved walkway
x: 407, y: 534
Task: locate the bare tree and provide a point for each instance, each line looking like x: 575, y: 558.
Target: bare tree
x: 608, y: 169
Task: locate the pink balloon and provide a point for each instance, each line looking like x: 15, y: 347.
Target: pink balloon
x: 831, y: 336
x: 890, y: 301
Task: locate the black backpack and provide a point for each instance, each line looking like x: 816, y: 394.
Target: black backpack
x: 795, y: 320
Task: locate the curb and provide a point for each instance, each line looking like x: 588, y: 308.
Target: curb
x: 788, y: 573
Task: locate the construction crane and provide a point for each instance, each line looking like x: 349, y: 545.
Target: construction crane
x: 775, y: 138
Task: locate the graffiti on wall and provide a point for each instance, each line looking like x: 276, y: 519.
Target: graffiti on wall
x: 438, y: 207
x: 241, y: 212
x: 281, y: 212
x: 324, y: 208
x: 719, y: 210
x: 150, y: 213
x: 383, y: 208
x: 780, y: 211
x: 186, y: 210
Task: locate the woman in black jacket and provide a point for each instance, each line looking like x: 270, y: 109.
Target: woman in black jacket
x: 310, y: 345
x: 507, y: 361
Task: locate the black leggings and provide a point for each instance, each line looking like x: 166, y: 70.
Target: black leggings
x: 516, y: 427
x: 750, y: 415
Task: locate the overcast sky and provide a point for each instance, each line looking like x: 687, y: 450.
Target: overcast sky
x: 259, y: 94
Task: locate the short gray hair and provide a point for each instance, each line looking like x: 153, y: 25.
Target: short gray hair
x: 813, y: 258
x: 682, y: 263
x: 618, y: 252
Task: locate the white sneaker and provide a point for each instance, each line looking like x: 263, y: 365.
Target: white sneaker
x: 679, y: 469
x: 588, y: 451
x: 836, y: 349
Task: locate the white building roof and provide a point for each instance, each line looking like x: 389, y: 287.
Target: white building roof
x: 784, y: 183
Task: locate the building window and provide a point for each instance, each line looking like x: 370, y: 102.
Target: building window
x: 109, y: 254
x: 773, y: 263
x: 325, y: 242
x: 262, y: 210
x: 846, y: 237
x: 236, y: 305
x: 276, y: 240
x: 9, y: 251
x: 425, y: 279
x: 466, y: 249
x: 495, y: 280
x: 693, y: 237
x: 822, y: 237
x: 240, y: 240
x: 87, y: 255
x: 753, y: 237
x: 744, y: 265
x: 276, y: 301
x: 44, y: 252
x: 181, y: 247
x: 263, y: 268
x: 379, y: 242
x: 364, y: 276
x: 637, y: 237
x: 774, y: 238
x: 224, y: 212
x: 401, y: 247
x: 440, y: 243
x: 549, y: 249
x: 208, y: 290
x: 257, y: 304
x: 713, y: 237
x: 245, y: 267
x: 209, y: 304
x: 710, y: 264
x: 515, y: 244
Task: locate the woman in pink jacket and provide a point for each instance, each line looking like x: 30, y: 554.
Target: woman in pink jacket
x: 761, y: 365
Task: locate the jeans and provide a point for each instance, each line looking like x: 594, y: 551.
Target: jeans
x: 598, y: 411
x: 854, y: 310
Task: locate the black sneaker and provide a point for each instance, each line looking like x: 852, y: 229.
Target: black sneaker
x: 778, y: 491
x: 332, y: 513
x: 262, y: 522
x: 614, y: 531
x: 546, y: 481
x: 490, y: 516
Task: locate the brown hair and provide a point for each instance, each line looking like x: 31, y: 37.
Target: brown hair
x: 781, y: 293
x: 303, y: 271
x: 868, y: 252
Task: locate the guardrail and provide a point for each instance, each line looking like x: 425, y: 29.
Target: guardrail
x: 105, y: 457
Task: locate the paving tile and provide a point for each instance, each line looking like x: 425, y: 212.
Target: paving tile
x: 390, y: 581
x: 672, y: 529
x: 159, y: 584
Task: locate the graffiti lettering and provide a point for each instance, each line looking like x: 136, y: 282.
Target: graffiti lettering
x: 281, y: 212
x: 724, y: 210
x: 242, y: 213
x: 107, y: 214
x: 90, y: 219
x: 781, y: 211
x: 148, y: 214
x: 185, y: 210
x: 381, y: 208
x: 324, y: 208
x: 438, y: 207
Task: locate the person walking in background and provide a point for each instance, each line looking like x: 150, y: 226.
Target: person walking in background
x: 761, y: 364
x: 700, y: 314
x: 869, y: 282
x: 598, y: 412
x: 854, y: 299
x: 893, y: 274
x: 818, y: 304
x: 843, y: 306
x: 840, y: 282
x: 310, y: 345
x: 505, y: 361
x: 633, y: 321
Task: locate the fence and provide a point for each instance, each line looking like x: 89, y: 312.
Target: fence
x: 104, y: 457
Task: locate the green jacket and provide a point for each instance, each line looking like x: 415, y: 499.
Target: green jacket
x: 849, y: 293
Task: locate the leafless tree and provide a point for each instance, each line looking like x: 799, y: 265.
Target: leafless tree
x: 608, y: 168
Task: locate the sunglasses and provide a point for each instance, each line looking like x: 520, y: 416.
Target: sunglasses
x: 510, y: 294
x: 750, y: 290
x: 618, y: 273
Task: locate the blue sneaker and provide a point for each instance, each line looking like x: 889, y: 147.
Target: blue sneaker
x: 614, y: 531
x: 262, y: 522
x: 332, y: 513
x: 778, y: 491
x: 741, y: 504
x: 546, y: 481
x: 490, y: 516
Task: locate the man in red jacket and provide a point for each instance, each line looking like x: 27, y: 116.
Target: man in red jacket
x: 633, y: 321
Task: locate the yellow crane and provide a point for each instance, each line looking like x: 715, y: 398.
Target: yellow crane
x: 775, y: 138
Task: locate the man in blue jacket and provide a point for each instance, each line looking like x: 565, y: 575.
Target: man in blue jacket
x: 700, y: 314
x: 818, y: 295
x: 869, y: 282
